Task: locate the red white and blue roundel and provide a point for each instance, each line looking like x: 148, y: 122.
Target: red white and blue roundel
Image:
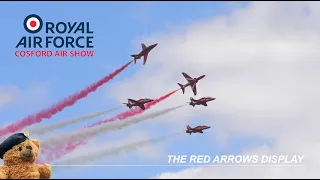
x: 33, y: 23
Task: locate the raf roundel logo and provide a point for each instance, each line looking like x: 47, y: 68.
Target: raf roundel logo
x: 33, y: 23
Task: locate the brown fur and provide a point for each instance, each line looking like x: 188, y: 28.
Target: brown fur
x: 19, y: 162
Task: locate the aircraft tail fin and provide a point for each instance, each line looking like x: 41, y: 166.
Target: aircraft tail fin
x: 182, y: 87
x: 128, y: 105
x: 143, y: 46
x: 191, y: 99
x: 188, y: 127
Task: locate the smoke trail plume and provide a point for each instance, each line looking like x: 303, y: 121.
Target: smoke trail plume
x: 94, y: 131
x: 120, y: 116
x: 105, y: 150
x: 135, y: 111
x: 57, y: 153
x: 51, y: 155
x: 69, y: 101
x: 61, y: 124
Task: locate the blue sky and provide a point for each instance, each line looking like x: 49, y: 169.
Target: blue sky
x: 116, y: 26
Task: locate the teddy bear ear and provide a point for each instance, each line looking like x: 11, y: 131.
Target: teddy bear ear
x: 36, y: 142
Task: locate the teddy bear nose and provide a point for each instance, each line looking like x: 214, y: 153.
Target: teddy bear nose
x: 29, y: 147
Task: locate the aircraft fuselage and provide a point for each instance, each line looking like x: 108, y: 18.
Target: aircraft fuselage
x: 198, y: 129
x: 201, y: 101
x: 145, y: 51
x: 140, y: 103
x: 194, y: 81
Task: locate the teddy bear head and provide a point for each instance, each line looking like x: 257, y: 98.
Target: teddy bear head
x: 19, y: 149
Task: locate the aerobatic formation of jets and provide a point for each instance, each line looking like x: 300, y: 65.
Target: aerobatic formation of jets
x: 192, y: 82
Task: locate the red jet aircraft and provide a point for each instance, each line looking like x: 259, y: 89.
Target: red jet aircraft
x: 201, y: 101
x: 191, y: 82
x: 139, y: 103
x: 198, y: 129
x: 144, y: 52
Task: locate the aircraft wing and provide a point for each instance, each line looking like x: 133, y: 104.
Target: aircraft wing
x: 143, y: 46
x: 132, y: 101
x: 142, y: 106
x: 145, y: 57
x: 205, y: 104
x: 188, y: 78
x: 194, y: 89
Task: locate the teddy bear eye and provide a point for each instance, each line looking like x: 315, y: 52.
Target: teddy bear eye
x: 20, y: 148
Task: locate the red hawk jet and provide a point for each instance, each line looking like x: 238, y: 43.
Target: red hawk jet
x: 202, y: 101
x: 191, y: 82
x: 144, y: 52
x: 140, y: 103
x: 198, y: 129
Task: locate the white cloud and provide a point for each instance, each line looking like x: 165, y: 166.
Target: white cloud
x: 7, y: 94
x: 262, y: 65
x: 35, y: 94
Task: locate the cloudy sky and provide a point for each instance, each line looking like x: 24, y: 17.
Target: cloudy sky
x: 260, y: 62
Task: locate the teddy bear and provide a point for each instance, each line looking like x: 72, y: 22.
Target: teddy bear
x: 19, y: 154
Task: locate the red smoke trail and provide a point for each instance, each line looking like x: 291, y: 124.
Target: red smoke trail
x: 52, y: 155
x: 69, y: 101
x: 60, y: 152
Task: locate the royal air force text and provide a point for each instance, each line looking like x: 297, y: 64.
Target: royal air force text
x: 59, y: 41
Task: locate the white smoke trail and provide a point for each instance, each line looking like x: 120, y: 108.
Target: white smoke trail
x: 61, y: 124
x: 96, y: 130
x: 2, y: 139
x: 105, y: 151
